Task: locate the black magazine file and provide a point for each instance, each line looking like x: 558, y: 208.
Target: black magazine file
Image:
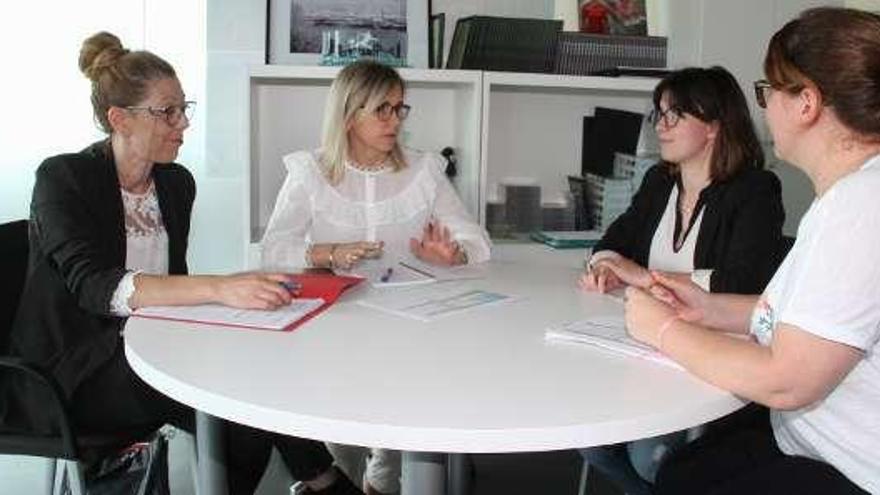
x: 609, y: 130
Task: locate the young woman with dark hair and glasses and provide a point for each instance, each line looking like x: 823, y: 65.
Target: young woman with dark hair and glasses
x: 706, y: 213
x: 109, y: 229
x: 807, y: 347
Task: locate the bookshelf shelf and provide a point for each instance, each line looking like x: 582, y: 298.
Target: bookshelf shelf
x: 532, y: 125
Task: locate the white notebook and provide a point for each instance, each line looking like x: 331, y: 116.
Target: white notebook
x: 607, y: 333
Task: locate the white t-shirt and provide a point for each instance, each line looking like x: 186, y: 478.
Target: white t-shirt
x: 382, y: 205
x: 829, y: 285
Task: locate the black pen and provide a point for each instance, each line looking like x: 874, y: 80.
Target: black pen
x: 417, y: 270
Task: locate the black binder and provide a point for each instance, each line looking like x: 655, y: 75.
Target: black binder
x: 609, y: 130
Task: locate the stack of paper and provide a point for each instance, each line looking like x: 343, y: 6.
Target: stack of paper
x: 607, y: 333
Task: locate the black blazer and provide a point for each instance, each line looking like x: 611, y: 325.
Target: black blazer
x: 77, y: 258
x: 740, y: 236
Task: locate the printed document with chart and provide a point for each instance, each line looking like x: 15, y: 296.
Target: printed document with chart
x: 430, y: 302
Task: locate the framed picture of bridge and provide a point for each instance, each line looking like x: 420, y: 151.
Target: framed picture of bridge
x: 330, y: 32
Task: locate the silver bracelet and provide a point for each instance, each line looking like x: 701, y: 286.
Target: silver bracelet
x: 330, y: 255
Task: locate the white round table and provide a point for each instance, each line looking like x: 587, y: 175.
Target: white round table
x: 480, y: 381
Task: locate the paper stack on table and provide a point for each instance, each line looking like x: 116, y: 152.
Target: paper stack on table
x: 607, y: 333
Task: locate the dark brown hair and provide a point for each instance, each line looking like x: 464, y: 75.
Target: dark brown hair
x: 120, y: 77
x: 837, y: 50
x: 713, y: 95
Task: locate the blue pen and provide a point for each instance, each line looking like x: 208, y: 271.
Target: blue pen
x: 387, y: 275
x: 293, y: 287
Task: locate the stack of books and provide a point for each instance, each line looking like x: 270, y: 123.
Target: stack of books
x: 589, y: 54
x: 504, y: 44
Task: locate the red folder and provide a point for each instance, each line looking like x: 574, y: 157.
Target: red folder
x: 326, y: 286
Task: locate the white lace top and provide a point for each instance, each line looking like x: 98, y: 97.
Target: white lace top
x: 380, y: 205
x: 146, y: 244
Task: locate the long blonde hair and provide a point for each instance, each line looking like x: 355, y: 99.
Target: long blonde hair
x: 360, y: 87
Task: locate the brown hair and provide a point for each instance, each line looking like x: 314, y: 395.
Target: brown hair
x: 836, y: 50
x: 120, y: 77
x: 713, y: 95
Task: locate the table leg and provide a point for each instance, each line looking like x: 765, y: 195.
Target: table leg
x: 211, y: 458
x: 423, y: 473
x: 459, y: 473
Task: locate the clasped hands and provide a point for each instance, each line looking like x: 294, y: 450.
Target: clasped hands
x: 653, y: 298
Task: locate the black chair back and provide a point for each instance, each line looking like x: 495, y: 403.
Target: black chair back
x: 13, y: 270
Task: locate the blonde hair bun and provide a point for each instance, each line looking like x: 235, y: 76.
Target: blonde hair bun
x: 100, y: 52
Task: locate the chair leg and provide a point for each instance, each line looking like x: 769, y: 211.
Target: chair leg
x: 582, y: 483
x: 68, y: 478
x: 77, y: 480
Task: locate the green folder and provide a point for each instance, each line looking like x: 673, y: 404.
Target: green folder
x: 568, y: 239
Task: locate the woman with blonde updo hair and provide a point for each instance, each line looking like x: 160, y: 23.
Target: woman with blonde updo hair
x: 108, y: 234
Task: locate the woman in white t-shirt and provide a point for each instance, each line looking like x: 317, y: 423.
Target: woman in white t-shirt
x: 812, y: 355
x: 362, y: 203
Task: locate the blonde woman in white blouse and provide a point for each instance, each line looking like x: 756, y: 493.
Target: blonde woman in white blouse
x: 362, y: 197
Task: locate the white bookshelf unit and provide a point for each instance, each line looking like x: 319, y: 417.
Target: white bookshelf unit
x: 532, y: 125
x: 500, y: 125
x: 286, y: 107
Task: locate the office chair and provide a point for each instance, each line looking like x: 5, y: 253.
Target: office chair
x: 71, y: 451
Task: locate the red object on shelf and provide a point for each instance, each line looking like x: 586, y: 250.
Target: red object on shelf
x: 594, y: 17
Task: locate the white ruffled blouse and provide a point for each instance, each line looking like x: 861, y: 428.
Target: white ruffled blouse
x: 379, y: 205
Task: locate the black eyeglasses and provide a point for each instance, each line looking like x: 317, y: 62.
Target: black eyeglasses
x: 385, y: 110
x: 171, y: 113
x: 669, y: 117
x: 761, y: 87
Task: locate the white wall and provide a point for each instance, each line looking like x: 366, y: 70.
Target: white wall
x: 46, y: 109
x: 46, y: 106
x: 872, y: 5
